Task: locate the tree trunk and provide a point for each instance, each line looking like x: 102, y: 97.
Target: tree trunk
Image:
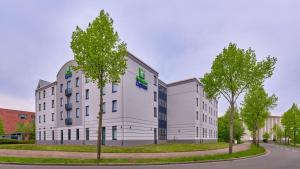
x: 231, y: 127
x: 99, y: 143
x: 254, y: 136
x: 258, y: 138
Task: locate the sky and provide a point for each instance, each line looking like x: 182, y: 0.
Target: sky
x: 180, y: 39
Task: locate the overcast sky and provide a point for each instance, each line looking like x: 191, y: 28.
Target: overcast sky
x: 180, y: 39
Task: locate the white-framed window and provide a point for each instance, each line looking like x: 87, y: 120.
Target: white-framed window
x: 87, y: 94
x: 52, y: 104
x: 61, y: 102
x: 77, y: 97
x: 114, y: 106
x: 52, y: 116
x: 155, y: 112
x: 87, y: 110
x: 155, y: 96
x: 77, y: 112
x: 77, y: 81
x: 114, y: 132
x: 114, y: 88
x: 61, y: 115
x: 103, y: 107
x: 155, y: 80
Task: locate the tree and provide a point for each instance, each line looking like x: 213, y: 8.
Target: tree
x: 266, y: 137
x: 1, y: 127
x: 255, y: 110
x: 291, y: 122
x: 223, y: 127
x: 27, y: 129
x: 233, y: 72
x: 277, y: 132
x: 101, y: 56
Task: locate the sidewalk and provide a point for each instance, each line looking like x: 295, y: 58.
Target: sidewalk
x: 80, y: 155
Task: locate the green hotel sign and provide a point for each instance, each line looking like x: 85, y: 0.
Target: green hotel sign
x: 140, y: 79
x: 68, y: 73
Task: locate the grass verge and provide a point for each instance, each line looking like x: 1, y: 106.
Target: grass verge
x: 56, y: 161
x: 155, y: 148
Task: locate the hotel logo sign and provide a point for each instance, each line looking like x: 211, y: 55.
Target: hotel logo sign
x: 140, y: 79
x: 68, y: 73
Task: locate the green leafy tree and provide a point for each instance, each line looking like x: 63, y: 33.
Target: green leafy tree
x: 277, y: 132
x: 1, y: 127
x: 255, y: 110
x: 233, y: 72
x: 28, y: 130
x: 101, y: 56
x: 291, y: 122
x: 266, y: 137
x: 223, y: 127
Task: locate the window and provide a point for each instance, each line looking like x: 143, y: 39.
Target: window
x: 52, y: 104
x: 203, y: 105
x: 52, y: 116
x: 77, y: 81
x: 114, y: 105
x: 40, y: 135
x: 39, y: 95
x: 40, y: 107
x: 44, y: 118
x: 69, y: 134
x: 77, y: 134
x: 197, y: 115
x: 155, y: 80
x: 197, y: 88
x: 68, y: 114
x: 61, y: 115
x: 44, y: 94
x: 61, y: 88
x: 52, y: 90
x: 22, y: 116
x: 203, y: 119
x: 87, y: 94
x: 61, y: 102
x: 197, y: 101
x: 87, y: 113
x: 44, y: 135
x: 77, y: 112
x: 86, y: 80
x: 103, y: 107
x: 155, y: 112
x: 77, y: 97
x: 44, y: 106
x: 155, y: 96
x: 52, y: 134
x: 203, y: 133
x: 197, y: 131
x: 114, y: 88
x: 114, y: 132
x: 39, y: 118
x: 87, y: 134
x: 69, y: 84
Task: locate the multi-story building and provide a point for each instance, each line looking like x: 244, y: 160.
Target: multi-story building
x: 135, y: 110
x: 191, y: 116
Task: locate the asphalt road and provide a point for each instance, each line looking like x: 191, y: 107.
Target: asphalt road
x: 279, y: 157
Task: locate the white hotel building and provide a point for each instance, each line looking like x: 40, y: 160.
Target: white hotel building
x: 139, y: 110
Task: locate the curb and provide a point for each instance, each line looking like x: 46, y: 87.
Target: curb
x: 265, y: 153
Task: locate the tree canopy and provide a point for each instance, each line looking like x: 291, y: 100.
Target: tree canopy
x: 223, y: 127
x: 233, y: 72
x: 256, y: 109
x: 291, y: 122
x: 101, y: 56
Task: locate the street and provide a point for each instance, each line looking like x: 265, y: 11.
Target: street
x: 279, y: 157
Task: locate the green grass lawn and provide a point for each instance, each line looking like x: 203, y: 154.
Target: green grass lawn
x: 252, y: 151
x: 155, y: 148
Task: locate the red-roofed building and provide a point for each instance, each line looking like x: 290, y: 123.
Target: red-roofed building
x: 11, y: 118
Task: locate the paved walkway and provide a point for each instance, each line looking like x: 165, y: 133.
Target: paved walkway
x: 74, y: 155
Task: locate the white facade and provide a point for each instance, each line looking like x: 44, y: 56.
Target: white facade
x: 132, y: 115
x: 191, y: 116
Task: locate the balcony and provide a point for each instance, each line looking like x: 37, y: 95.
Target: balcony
x: 68, y: 106
x: 68, y: 121
x: 68, y: 92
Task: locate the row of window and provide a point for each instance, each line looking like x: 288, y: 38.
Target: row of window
x: 87, y: 134
x: 44, y: 105
x: 44, y: 93
x: 210, y: 134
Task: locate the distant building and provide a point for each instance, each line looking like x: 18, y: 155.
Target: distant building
x: 11, y: 118
x: 269, y: 124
